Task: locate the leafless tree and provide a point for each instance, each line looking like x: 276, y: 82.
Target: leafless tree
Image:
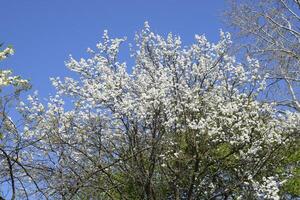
x: 270, y: 30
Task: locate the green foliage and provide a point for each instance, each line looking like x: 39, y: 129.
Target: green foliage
x: 291, y: 167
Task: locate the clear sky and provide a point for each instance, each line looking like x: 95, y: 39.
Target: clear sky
x: 45, y: 32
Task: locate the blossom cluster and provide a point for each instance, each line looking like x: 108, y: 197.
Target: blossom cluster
x: 6, y: 52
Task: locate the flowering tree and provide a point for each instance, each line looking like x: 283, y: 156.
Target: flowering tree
x: 10, y: 141
x: 185, y: 124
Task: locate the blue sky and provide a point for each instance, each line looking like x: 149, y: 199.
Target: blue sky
x: 45, y: 32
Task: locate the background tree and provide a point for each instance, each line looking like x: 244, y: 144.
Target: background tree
x: 269, y: 31
x: 187, y: 123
